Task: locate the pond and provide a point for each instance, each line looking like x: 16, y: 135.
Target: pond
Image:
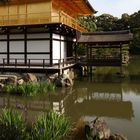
x: 106, y: 94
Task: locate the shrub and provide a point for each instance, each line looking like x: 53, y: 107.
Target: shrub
x: 12, y: 126
x: 50, y: 126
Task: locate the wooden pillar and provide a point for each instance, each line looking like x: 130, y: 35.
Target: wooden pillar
x: 90, y: 56
x: 25, y: 46
x: 8, y: 47
x: 87, y: 51
x: 75, y: 51
x: 121, y: 71
x: 60, y: 49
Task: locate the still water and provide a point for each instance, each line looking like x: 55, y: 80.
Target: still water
x: 106, y: 94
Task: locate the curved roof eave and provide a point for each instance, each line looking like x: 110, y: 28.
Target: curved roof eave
x: 91, y: 8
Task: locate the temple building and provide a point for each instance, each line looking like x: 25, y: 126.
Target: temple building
x: 39, y: 33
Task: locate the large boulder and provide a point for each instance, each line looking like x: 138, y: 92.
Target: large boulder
x: 97, y: 129
x: 63, y: 81
x: 9, y: 79
x: 1, y: 87
x: 20, y: 81
x: 30, y: 78
x: 117, y: 137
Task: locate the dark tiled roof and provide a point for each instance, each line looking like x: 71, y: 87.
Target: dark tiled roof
x: 116, y: 37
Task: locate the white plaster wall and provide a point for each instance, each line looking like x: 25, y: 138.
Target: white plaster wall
x: 3, y: 46
x: 1, y: 58
x: 18, y: 36
x: 38, y: 46
x: 62, y: 37
x: 3, y: 36
x: 39, y: 35
x: 56, y: 51
x: 19, y: 57
x: 39, y: 58
x: 56, y: 36
x: 57, y: 47
x: 63, y: 50
x: 16, y: 46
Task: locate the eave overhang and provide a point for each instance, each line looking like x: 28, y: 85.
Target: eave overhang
x: 75, y: 7
x: 105, y: 38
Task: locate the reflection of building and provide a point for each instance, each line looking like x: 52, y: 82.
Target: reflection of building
x: 87, y: 100
x: 100, y: 100
x: 31, y: 108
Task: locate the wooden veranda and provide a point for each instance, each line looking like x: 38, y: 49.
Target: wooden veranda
x: 33, y: 66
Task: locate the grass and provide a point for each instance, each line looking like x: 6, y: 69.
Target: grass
x: 49, y: 126
x: 12, y: 126
x: 30, y: 88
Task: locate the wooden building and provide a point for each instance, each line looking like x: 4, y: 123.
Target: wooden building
x: 104, y: 40
x: 39, y: 33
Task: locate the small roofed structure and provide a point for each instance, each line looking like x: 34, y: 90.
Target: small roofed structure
x: 97, y: 41
x: 105, y: 38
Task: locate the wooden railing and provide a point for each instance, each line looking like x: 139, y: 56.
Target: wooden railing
x: 68, y: 20
x: 43, y: 63
x: 102, y: 61
x: 41, y: 18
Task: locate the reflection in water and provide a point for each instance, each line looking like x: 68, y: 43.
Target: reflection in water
x: 87, y: 99
x: 107, y: 95
x: 34, y: 106
x: 99, y: 100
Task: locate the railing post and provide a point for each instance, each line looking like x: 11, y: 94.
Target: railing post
x: 59, y: 63
x: 43, y: 63
x: 3, y: 62
x: 15, y: 62
x: 63, y: 62
x: 29, y: 63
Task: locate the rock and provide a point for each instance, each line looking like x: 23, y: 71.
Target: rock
x: 71, y: 74
x: 63, y: 81
x: 1, y: 85
x: 8, y: 79
x: 30, y: 78
x: 117, y: 137
x: 20, y: 81
x: 97, y: 129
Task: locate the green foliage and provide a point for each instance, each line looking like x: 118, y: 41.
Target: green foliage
x: 105, y: 22
x: 136, y: 38
x: 30, y: 89
x: 12, y: 126
x: 88, y: 22
x: 135, y: 20
x: 50, y: 126
x: 81, y: 49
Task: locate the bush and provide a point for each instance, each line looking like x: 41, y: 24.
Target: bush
x: 50, y: 126
x: 12, y: 126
